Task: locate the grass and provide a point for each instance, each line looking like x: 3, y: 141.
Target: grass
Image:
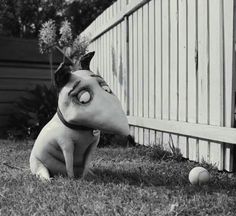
x: 128, y: 181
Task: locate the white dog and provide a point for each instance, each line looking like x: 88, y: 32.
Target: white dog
x: 86, y: 105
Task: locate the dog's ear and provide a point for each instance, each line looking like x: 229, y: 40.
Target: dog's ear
x: 85, y: 60
x: 62, y: 75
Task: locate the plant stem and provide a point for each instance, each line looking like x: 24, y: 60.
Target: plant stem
x: 59, y: 49
x: 50, y: 62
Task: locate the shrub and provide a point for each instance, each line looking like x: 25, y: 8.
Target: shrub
x: 23, y: 18
x: 32, y: 112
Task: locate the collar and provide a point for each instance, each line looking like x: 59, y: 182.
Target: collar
x: 69, y: 125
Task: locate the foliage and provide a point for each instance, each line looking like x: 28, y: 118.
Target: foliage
x: 72, y: 47
x: 82, y: 12
x: 32, y: 112
x: 79, y: 47
x: 23, y: 18
x: 47, y: 36
x: 66, y: 34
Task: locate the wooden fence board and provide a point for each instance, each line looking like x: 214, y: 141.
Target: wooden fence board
x: 145, y: 76
x: 131, y: 66
x: 230, y: 75
x: 126, y: 72
x: 110, y: 48
x: 174, y: 106
x: 123, y: 77
x: 158, y: 65
x: 192, y: 74
x: 119, y: 54
x: 105, y: 62
x: 203, y: 73
x: 123, y: 59
x: 216, y: 77
x: 135, y: 63
x: 165, y: 67
x: 10, y: 96
x: 114, y: 60
x: 109, y: 59
x: 183, y: 72
x: 145, y: 56
x: 140, y: 71
x: 151, y: 63
x: 18, y: 84
x: 24, y: 73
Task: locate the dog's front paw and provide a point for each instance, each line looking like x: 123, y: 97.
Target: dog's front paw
x: 44, y: 179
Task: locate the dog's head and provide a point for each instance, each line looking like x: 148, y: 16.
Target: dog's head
x: 85, y: 99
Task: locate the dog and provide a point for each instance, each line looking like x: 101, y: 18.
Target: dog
x: 86, y: 106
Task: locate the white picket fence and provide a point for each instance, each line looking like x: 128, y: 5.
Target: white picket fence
x: 171, y: 63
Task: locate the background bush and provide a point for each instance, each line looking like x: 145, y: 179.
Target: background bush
x: 23, y: 18
x: 32, y: 112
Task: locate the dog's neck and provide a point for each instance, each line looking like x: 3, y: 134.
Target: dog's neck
x: 70, y: 125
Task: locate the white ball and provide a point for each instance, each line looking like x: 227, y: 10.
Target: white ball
x: 199, y: 176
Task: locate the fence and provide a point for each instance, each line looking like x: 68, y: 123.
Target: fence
x: 171, y: 63
x: 21, y: 68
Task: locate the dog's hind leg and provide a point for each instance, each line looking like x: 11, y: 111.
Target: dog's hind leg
x: 38, y: 168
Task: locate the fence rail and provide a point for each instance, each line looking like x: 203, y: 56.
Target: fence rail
x: 171, y: 63
x: 202, y: 131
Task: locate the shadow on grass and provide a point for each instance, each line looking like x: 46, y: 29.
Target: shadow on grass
x: 170, y: 179
x: 137, y: 178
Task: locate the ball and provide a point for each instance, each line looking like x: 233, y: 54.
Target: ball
x: 199, y: 176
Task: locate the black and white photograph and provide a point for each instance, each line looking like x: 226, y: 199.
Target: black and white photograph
x: 118, y: 107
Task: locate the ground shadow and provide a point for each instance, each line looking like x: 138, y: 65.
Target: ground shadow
x: 154, y: 179
x: 103, y: 175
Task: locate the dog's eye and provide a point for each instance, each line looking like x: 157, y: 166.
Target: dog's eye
x: 84, y: 97
x: 106, y: 88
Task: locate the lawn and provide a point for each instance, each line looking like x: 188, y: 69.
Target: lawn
x: 128, y: 181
